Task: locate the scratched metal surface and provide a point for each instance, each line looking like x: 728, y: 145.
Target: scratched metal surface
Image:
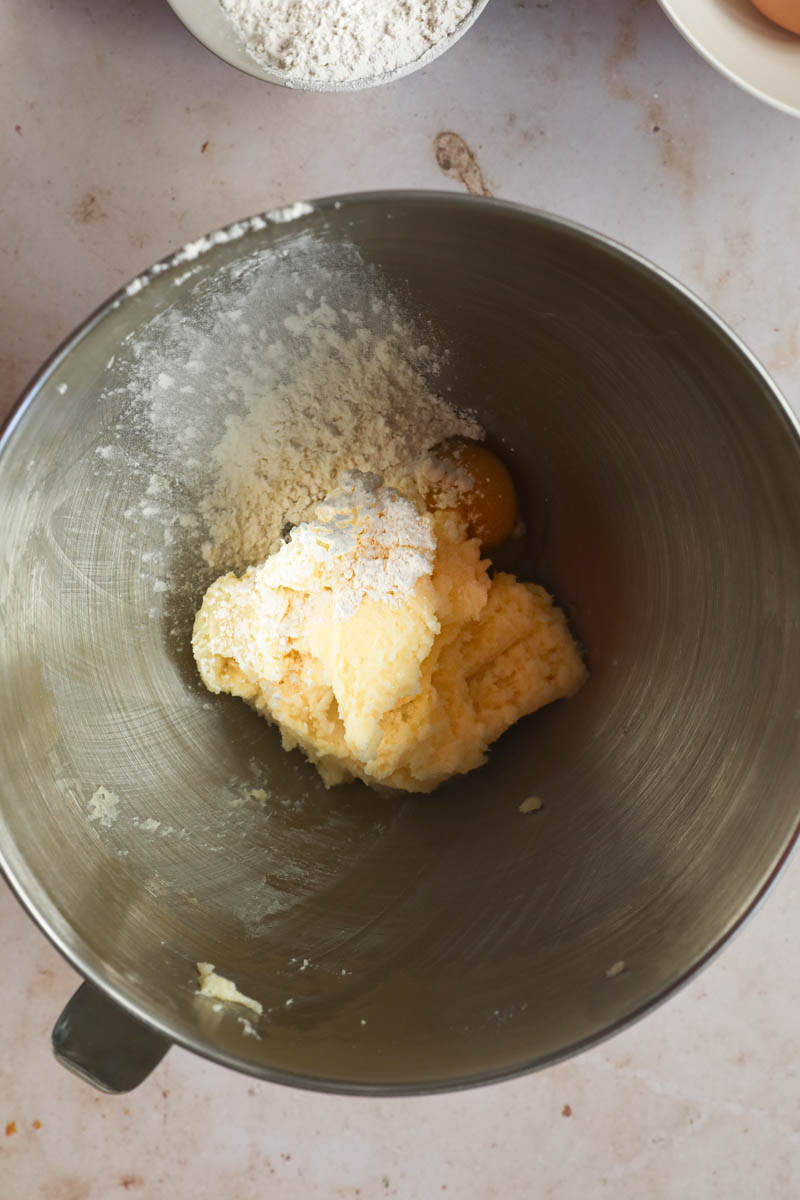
x: 123, y: 139
x: 434, y: 941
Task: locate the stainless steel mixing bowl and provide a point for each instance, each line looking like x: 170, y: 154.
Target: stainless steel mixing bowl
x: 434, y: 942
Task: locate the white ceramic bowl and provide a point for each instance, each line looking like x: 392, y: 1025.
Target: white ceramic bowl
x: 741, y: 43
x: 209, y: 24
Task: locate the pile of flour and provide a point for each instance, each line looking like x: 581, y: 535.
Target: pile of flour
x: 252, y: 397
x: 334, y: 396
x: 365, y: 542
x: 336, y: 41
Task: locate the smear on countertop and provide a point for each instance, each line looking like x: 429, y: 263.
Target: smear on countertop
x: 89, y: 208
x: 458, y: 162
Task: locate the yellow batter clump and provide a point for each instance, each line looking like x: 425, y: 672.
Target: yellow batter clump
x: 377, y: 642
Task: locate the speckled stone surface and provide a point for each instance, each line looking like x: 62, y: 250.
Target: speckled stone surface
x: 120, y: 139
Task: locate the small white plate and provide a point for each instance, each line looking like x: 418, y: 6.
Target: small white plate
x: 741, y: 43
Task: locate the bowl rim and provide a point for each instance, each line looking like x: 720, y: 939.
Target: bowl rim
x: 791, y: 110
x: 81, y: 957
x: 282, y: 79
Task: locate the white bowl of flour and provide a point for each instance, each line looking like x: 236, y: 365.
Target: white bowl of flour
x: 328, y: 45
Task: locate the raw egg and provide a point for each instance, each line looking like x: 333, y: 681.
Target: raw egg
x: 470, y: 478
x: 785, y: 13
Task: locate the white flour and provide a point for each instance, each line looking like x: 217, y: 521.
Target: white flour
x: 364, y: 542
x: 335, y: 41
x: 244, y: 404
x: 333, y: 395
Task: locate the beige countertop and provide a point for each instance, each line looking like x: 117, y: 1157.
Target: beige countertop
x: 122, y: 138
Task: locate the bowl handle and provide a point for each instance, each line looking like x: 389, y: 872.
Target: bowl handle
x: 102, y: 1044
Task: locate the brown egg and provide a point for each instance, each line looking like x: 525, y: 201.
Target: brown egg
x: 469, y: 477
x: 785, y: 13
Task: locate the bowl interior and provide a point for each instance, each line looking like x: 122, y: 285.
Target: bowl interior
x: 741, y: 43
x: 440, y: 940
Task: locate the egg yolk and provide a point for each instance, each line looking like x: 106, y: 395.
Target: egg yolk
x: 470, y: 478
x: 785, y: 13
